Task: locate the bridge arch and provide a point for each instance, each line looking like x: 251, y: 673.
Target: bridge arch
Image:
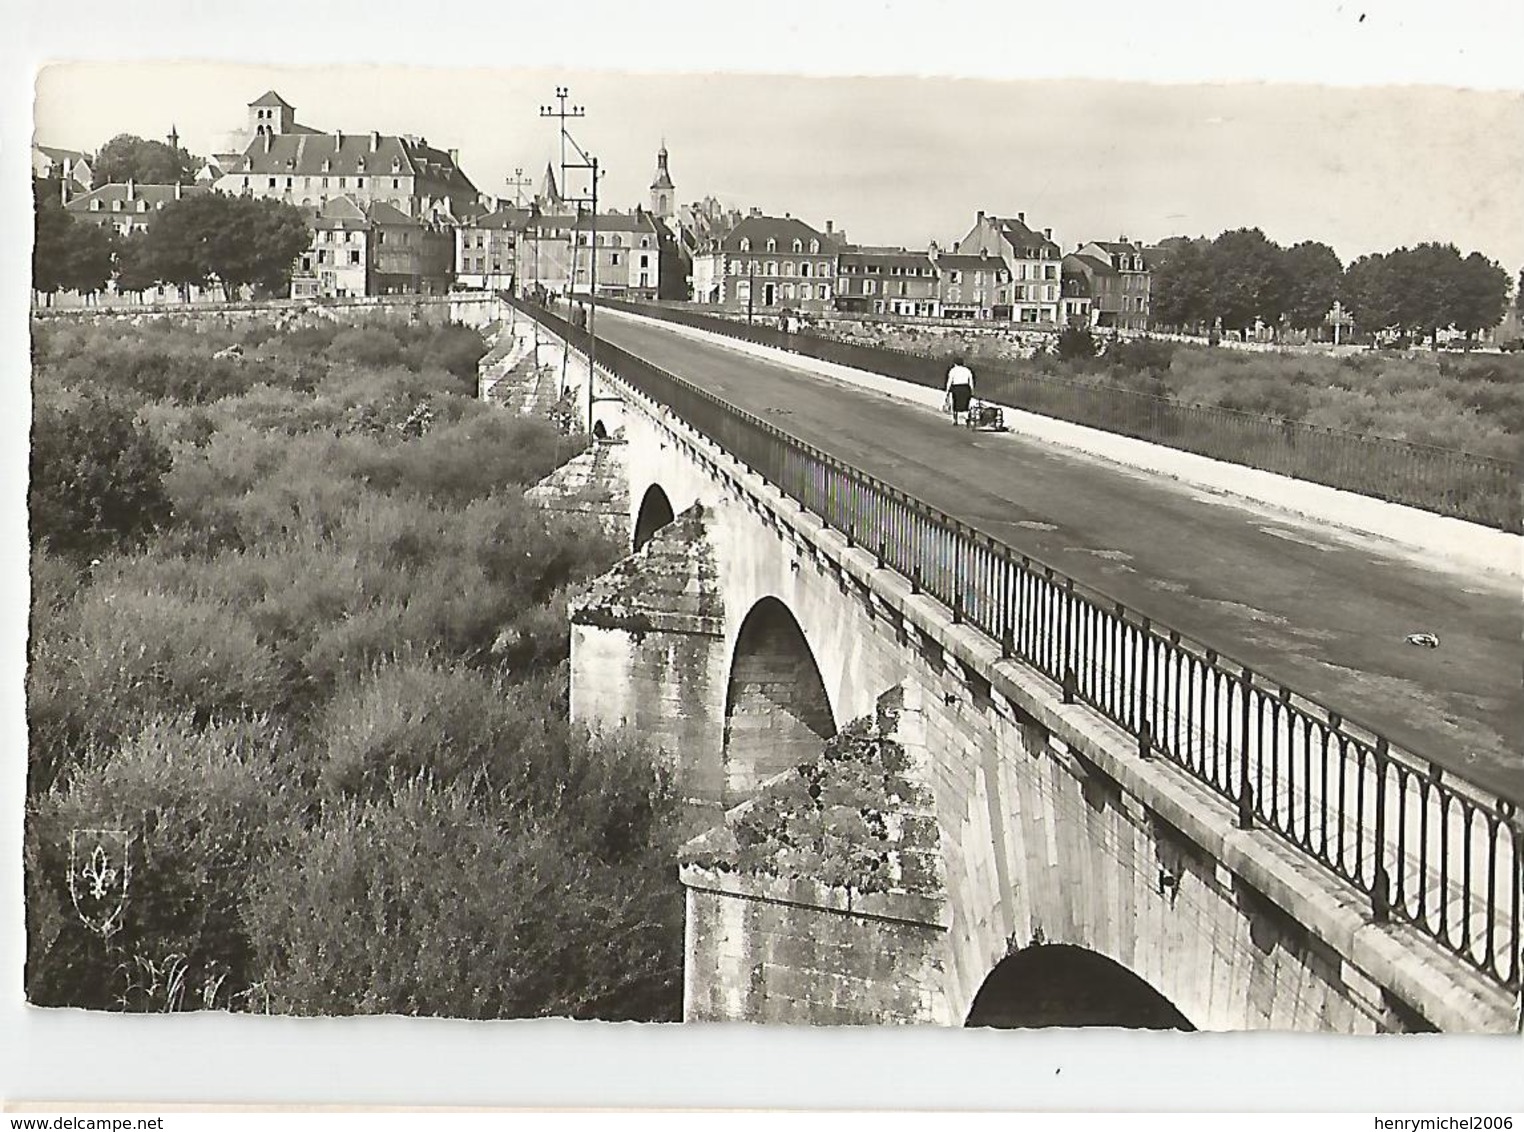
x: 1062, y: 985
x: 654, y: 514
x: 777, y: 712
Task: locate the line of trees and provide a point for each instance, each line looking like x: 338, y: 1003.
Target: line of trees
x: 197, y: 241
x: 1242, y: 277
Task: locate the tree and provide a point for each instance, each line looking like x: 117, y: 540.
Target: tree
x: 50, y: 239
x: 97, y: 477
x: 1481, y: 295
x: 1427, y: 278
x: 127, y: 157
x: 265, y: 246
x: 136, y: 268
x: 1313, y: 271
x: 1369, y: 292
x: 1249, y: 279
x: 234, y: 240
x: 1182, y: 284
x: 67, y: 254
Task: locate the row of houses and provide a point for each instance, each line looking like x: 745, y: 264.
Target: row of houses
x: 392, y: 214
x: 1002, y: 270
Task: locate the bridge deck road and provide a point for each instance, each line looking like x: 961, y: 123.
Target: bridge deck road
x: 1321, y: 612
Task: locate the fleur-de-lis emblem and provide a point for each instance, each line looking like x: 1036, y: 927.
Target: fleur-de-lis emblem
x: 99, y: 872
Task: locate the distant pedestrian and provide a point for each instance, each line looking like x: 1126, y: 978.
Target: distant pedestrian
x: 960, y: 390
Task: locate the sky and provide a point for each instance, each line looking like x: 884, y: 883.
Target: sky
x: 967, y: 108
x: 904, y: 160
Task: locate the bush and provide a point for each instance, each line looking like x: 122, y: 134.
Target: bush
x: 425, y: 902
x: 123, y: 655
x: 203, y: 808
x: 97, y: 477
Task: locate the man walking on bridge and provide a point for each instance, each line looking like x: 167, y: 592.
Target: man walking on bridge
x: 960, y: 389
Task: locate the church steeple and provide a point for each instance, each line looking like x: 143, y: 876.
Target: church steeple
x: 663, y: 196
x: 549, y: 195
x: 174, y: 137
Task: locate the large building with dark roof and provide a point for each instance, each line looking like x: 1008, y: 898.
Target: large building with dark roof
x: 127, y: 207
x: 307, y: 168
x: 1032, y: 260
x: 886, y: 281
x: 361, y: 248
x: 768, y: 264
x: 1120, y: 281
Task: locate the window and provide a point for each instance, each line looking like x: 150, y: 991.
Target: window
x: 806, y: 292
x: 772, y: 245
x: 359, y: 182
x: 869, y: 287
x: 645, y: 261
x: 272, y: 183
x: 116, y: 206
x: 825, y: 292
x: 822, y: 269
x: 788, y: 267
x: 645, y: 241
x: 798, y: 246
x: 957, y: 277
x: 354, y: 258
x: 746, y: 245
x: 325, y: 182
x: 614, y: 259
x: 814, y: 247
x: 772, y: 267
x: 804, y: 270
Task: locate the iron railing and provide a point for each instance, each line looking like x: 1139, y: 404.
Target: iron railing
x: 1448, y: 481
x: 1424, y: 846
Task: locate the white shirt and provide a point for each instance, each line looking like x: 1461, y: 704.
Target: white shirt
x: 960, y: 375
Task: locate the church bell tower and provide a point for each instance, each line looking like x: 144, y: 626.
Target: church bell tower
x: 662, y: 193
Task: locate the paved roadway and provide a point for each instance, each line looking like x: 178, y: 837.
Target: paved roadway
x: 1324, y: 614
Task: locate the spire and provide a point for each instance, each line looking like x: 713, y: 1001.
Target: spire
x: 549, y: 193
x: 174, y: 137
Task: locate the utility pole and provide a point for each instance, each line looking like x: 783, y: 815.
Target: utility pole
x: 561, y: 114
x: 518, y: 183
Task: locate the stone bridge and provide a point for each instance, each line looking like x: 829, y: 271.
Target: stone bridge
x: 898, y: 818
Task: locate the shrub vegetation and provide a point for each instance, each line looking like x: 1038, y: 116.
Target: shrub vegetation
x: 311, y: 657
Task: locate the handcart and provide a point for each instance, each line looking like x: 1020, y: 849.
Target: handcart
x: 985, y: 417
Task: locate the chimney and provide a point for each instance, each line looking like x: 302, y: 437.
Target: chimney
x: 375, y: 140
x: 829, y: 225
x: 1021, y: 218
x: 981, y: 216
x: 129, y: 189
x: 455, y: 157
x: 1123, y: 240
x: 177, y: 190
x: 1047, y: 233
x: 338, y: 140
x: 266, y: 136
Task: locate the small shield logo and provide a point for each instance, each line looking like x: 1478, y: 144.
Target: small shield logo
x: 99, y: 872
